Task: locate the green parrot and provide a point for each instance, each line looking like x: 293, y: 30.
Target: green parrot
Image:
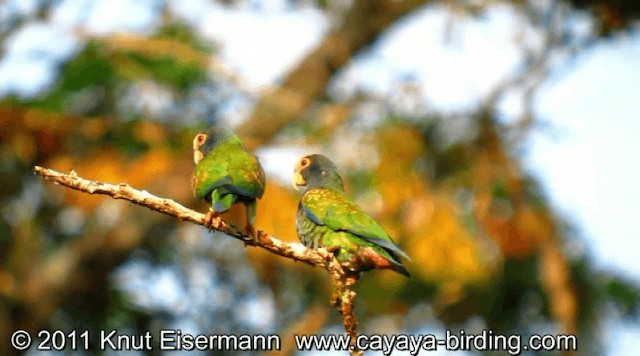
x: 226, y: 173
x: 328, y: 218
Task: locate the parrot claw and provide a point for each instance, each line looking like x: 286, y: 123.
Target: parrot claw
x: 212, y: 216
x: 250, y: 230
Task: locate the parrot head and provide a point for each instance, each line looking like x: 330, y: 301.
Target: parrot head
x: 316, y: 171
x: 206, y: 141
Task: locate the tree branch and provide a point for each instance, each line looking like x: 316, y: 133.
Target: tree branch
x: 343, y: 295
x: 343, y: 299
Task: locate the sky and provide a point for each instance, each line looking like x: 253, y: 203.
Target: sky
x: 590, y: 166
x: 584, y: 155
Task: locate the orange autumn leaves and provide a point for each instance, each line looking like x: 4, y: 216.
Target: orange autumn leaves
x: 452, y: 243
x: 428, y: 222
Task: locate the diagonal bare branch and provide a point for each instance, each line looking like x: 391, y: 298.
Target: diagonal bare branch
x: 295, y: 251
x: 343, y: 294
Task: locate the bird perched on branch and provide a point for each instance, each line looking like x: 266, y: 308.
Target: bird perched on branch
x: 226, y: 173
x: 328, y: 218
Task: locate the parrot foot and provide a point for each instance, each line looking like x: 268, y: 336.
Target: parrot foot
x: 212, y: 216
x: 250, y: 230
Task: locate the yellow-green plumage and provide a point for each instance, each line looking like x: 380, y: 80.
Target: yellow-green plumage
x: 226, y: 172
x: 328, y: 218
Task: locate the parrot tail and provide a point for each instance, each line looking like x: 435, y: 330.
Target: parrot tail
x: 222, y: 203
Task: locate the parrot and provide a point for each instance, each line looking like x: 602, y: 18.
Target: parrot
x: 328, y: 218
x: 226, y: 173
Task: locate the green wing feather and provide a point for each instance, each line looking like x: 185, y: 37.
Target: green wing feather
x: 337, y: 211
x: 230, y: 169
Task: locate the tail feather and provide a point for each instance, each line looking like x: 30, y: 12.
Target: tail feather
x: 222, y: 203
x: 398, y: 267
x: 385, y: 260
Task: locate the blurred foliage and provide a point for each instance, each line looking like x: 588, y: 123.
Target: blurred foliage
x: 95, y: 80
x: 484, y: 241
x: 611, y: 16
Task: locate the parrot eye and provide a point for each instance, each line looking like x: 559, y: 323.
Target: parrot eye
x: 305, y: 162
x: 199, y: 140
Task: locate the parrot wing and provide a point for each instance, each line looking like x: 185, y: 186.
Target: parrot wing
x: 230, y: 168
x: 337, y: 211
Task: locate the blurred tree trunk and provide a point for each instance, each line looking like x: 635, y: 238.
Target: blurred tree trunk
x: 307, y: 82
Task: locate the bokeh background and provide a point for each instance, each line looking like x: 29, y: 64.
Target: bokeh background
x: 495, y: 140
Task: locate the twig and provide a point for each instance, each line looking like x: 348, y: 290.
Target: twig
x: 343, y: 299
x: 343, y: 294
